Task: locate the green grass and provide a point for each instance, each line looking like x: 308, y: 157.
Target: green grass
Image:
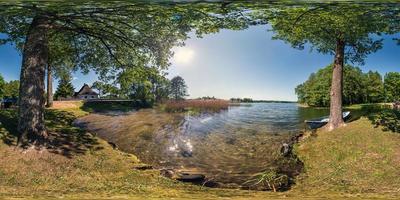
x: 356, y: 161
x: 368, y: 106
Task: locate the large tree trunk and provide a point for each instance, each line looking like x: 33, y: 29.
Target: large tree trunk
x: 31, y: 103
x: 336, y: 117
x: 49, y: 86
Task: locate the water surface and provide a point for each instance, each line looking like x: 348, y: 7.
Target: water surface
x: 229, y: 147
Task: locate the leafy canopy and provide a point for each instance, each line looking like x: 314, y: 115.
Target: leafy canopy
x: 11, y: 89
x: 322, y: 25
x: 109, y: 37
x: 392, y: 85
x: 178, y: 88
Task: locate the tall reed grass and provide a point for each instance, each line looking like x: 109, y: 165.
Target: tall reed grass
x: 198, y: 105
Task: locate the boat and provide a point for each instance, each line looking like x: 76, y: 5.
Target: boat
x: 320, y: 122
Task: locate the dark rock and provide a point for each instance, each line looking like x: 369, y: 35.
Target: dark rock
x: 169, y: 173
x: 186, y: 154
x: 193, y: 178
x: 144, y: 167
x: 209, y: 183
x: 113, y: 145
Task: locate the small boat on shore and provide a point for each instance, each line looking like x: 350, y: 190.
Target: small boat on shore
x: 319, y: 122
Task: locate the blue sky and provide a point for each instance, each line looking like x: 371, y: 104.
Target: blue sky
x: 245, y: 63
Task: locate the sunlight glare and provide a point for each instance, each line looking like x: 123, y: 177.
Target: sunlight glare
x: 183, y: 55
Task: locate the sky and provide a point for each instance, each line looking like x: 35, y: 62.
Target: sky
x: 245, y: 63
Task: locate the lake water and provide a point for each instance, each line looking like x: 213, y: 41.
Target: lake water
x: 228, y: 147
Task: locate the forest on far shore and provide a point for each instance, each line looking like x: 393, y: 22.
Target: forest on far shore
x: 358, y: 87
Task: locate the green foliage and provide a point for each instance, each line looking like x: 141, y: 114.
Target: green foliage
x: 392, y: 85
x: 358, y: 87
x: 119, y: 37
x: 107, y: 90
x: 178, y: 88
x: 11, y: 89
x: 374, y: 87
x: 100, y: 86
x: 143, y: 92
x: 65, y: 89
x: 2, y: 83
x: 389, y: 119
x: 144, y: 84
x: 322, y: 25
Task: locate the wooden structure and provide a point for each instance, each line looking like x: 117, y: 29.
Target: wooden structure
x: 86, y: 92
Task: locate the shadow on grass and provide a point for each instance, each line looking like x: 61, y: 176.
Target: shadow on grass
x: 365, y: 110
x: 113, y: 106
x: 64, y: 139
x: 8, y: 126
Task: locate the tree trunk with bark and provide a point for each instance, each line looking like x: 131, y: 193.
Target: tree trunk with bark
x: 31, y: 125
x: 336, y: 94
x: 49, y: 86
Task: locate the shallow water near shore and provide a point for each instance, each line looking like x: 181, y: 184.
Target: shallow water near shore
x: 228, y: 147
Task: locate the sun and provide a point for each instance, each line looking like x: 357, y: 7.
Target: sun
x: 183, y: 55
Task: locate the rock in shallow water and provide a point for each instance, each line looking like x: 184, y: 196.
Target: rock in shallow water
x: 193, y: 178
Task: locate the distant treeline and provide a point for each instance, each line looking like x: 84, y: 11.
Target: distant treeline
x: 249, y: 100
x: 358, y: 87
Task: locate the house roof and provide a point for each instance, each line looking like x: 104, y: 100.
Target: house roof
x: 85, y: 90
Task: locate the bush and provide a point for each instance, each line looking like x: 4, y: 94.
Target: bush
x: 389, y: 119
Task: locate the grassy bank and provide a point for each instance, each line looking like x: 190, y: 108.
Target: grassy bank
x: 356, y: 161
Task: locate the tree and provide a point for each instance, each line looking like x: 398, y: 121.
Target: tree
x: 100, y: 86
x: 104, y: 37
x: 112, y: 91
x: 142, y: 92
x: 358, y: 87
x: 178, y: 88
x: 392, y: 85
x: 119, y: 36
x: 11, y: 89
x: 343, y: 30
x: 64, y: 88
x: 2, y: 83
x: 315, y: 91
x: 374, y: 87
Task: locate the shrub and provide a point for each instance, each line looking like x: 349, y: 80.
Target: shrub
x: 388, y: 118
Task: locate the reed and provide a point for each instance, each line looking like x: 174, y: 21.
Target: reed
x: 213, y: 105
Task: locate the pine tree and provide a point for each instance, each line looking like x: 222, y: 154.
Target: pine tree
x: 65, y: 88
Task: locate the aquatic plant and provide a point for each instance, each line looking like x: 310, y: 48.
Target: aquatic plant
x: 270, y: 180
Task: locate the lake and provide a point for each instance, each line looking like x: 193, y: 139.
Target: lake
x: 229, y: 147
